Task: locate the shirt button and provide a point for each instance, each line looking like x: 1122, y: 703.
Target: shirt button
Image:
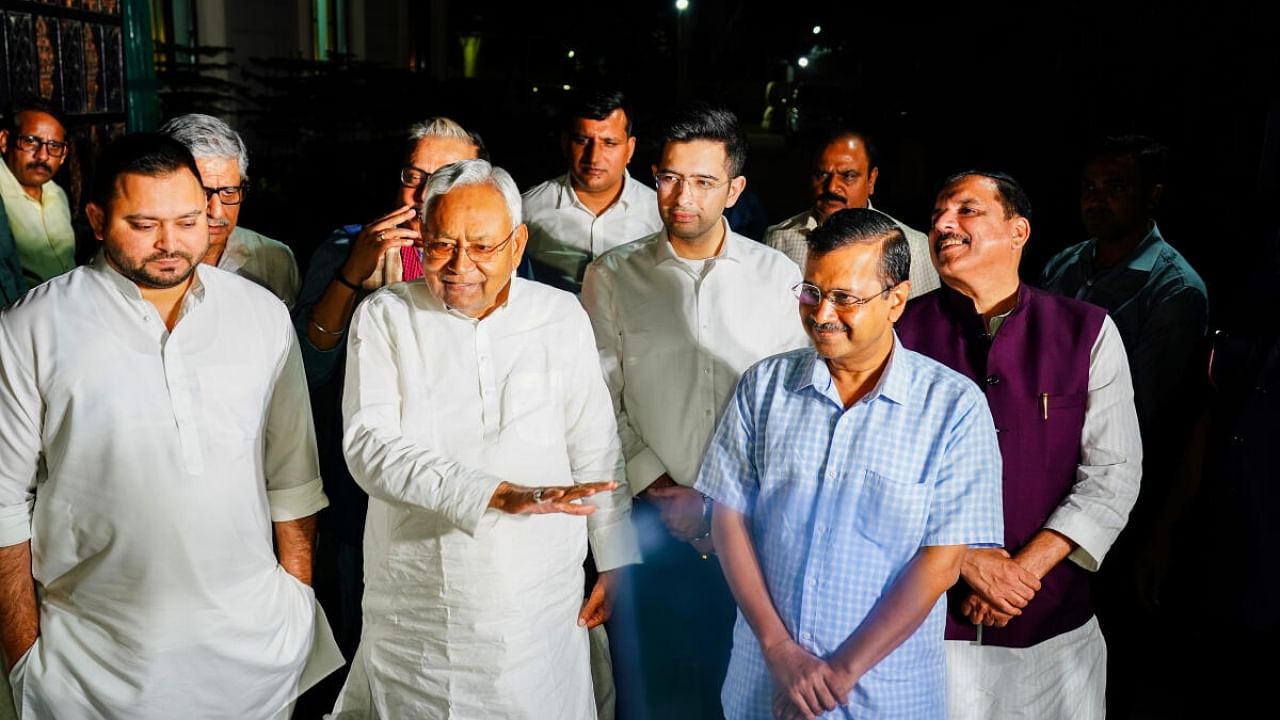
x: 807, y: 636
x: 993, y: 379
x: 707, y: 413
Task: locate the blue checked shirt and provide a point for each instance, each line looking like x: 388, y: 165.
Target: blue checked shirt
x: 839, y: 501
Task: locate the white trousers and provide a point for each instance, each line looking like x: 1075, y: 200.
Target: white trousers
x: 1063, y: 678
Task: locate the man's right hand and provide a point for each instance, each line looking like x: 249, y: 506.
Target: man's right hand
x: 803, y: 682
x: 372, y: 243
x: 996, y: 578
x: 523, y: 500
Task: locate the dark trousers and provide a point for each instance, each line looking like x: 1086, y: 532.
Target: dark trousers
x: 672, y: 629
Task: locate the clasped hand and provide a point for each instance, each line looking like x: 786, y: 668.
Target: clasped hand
x: 1001, y: 587
x: 806, y: 686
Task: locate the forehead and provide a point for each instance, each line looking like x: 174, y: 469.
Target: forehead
x: 1112, y: 166
x: 695, y: 157
x: 433, y: 153
x: 41, y: 124
x: 853, y: 267
x: 224, y: 168
x: 970, y: 190
x: 469, y: 210
x: 848, y: 150
x: 173, y: 195
x: 613, y: 125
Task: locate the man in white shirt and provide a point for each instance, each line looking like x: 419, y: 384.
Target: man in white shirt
x: 34, y: 144
x: 845, y: 170
x: 156, y: 440
x: 678, y: 316
x: 477, y: 417
x: 596, y: 205
x: 223, y: 160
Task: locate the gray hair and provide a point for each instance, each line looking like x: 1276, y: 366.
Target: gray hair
x: 473, y: 172
x: 207, y: 136
x: 441, y: 127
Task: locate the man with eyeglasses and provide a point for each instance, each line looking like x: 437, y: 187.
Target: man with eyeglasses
x: 596, y: 205
x: 223, y: 160
x: 353, y: 262
x: 849, y: 479
x: 678, y: 316
x: 478, y: 421
x: 34, y: 143
x: 1022, y: 639
x: 845, y: 170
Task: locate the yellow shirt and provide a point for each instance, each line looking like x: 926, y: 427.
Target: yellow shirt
x: 41, y: 230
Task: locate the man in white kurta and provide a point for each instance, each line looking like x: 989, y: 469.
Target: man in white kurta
x: 149, y: 450
x: 476, y: 413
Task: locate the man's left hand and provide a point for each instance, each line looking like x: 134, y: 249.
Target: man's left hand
x: 597, y: 607
x: 681, y: 509
x: 981, y: 612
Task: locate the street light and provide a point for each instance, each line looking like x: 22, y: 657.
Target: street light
x: 817, y: 29
x: 571, y: 54
x: 803, y: 62
x: 682, y: 5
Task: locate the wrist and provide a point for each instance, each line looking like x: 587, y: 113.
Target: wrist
x: 343, y: 278
x: 499, y: 494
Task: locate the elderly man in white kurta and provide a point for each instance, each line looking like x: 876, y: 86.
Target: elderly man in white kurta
x: 477, y: 418
x: 154, y: 435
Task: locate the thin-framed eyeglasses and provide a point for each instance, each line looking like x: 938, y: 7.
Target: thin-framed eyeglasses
x: 698, y: 185
x: 32, y: 144
x: 412, y: 177
x: 811, y: 295
x: 228, y: 194
x: 445, y: 248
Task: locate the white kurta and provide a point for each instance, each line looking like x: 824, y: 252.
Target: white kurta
x: 146, y: 467
x: 469, y: 612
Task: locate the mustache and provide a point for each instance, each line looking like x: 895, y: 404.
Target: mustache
x: 218, y: 222
x: 943, y: 237
x: 832, y: 197
x: 168, y: 256
x: 39, y: 165
x: 826, y: 327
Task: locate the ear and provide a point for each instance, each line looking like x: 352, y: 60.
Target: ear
x: 871, y: 180
x: 1153, y: 195
x: 736, y: 186
x: 518, y: 242
x: 898, y: 300
x: 631, y: 149
x: 97, y: 219
x: 1021, y: 232
x: 4, y: 141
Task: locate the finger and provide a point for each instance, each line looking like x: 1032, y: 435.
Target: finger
x: 826, y: 700
x: 395, y: 217
x: 566, y: 508
x: 808, y: 704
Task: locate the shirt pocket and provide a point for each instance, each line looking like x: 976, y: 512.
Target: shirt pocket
x: 532, y: 407
x: 892, y: 514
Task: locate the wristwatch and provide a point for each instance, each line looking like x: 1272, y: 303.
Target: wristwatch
x: 707, y: 502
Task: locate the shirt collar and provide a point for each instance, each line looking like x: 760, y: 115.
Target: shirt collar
x: 1144, y: 255
x: 235, y: 253
x: 894, y: 384
x: 130, y: 290
x: 10, y: 187
x: 663, y: 252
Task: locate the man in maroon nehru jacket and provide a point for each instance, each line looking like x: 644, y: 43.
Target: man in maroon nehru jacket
x: 1022, y: 638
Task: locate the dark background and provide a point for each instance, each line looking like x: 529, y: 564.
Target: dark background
x: 1020, y: 89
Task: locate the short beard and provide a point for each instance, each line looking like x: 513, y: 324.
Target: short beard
x: 140, y: 276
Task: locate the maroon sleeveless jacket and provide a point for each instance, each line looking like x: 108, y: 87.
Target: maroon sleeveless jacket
x: 1035, y: 374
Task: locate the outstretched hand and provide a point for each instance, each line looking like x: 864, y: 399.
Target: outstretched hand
x: 525, y: 500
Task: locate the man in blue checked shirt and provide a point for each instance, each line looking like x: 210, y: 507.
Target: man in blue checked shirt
x: 849, y: 479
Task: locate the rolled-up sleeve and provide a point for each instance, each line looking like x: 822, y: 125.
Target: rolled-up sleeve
x: 290, y: 462
x: 1110, y: 470
x: 21, y: 410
